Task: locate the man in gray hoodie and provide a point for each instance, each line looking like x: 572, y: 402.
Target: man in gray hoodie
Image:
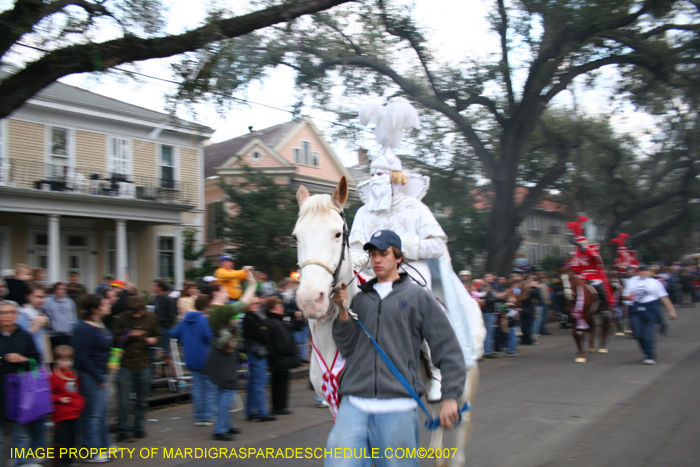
x: 376, y: 414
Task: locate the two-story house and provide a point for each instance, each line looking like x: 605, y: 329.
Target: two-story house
x: 98, y: 185
x: 293, y: 153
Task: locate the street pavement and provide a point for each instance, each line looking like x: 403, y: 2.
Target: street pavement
x: 539, y: 409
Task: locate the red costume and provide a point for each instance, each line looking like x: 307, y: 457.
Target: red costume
x: 588, y: 264
x: 623, y: 257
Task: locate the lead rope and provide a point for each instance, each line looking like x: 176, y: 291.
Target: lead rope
x: 432, y: 422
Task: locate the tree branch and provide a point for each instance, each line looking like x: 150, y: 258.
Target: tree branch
x: 562, y: 43
x: 26, y: 14
x: 484, y: 155
x: 668, y: 27
x: 561, y: 149
x: 566, y: 78
x: 80, y: 58
x: 407, y: 32
x: 505, y: 65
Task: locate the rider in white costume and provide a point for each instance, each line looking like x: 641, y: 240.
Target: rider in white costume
x: 393, y: 201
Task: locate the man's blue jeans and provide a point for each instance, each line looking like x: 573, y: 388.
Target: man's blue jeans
x: 644, y: 333
x: 257, y: 400
x: 140, y: 381
x: 224, y: 398
x: 512, y: 341
x: 537, y: 324
x: 203, y: 396
x: 361, y: 432
x: 94, y: 420
x: 20, y: 439
x: 489, y: 321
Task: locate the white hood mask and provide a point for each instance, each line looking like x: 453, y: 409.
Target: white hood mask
x: 380, y: 191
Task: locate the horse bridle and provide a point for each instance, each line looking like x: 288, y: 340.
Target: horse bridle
x: 346, y: 244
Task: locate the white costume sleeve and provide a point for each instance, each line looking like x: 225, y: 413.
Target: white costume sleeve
x: 432, y: 237
x: 358, y: 238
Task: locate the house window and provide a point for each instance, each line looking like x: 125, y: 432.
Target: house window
x: 545, y: 251
x: 3, y: 251
x: 167, y: 167
x: 77, y: 240
x: 166, y: 257
x: 216, y: 220
x: 534, y: 254
x: 119, y: 157
x: 307, y: 152
x: 534, y: 222
x: 317, y: 159
x: 59, y: 155
x: 554, y: 230
x: 256, y: 155
x: 297, y: 157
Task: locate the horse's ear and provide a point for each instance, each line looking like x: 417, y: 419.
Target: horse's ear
x: 340, y: 195
x: 302, y: 195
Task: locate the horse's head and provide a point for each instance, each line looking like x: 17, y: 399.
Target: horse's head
x: 320, y: 232
x: 567, y: 278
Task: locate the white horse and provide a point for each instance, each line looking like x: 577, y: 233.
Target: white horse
x: 324, y: 260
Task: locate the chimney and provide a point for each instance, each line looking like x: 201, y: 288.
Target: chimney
x: 250, y: 128
x: 362, y: 157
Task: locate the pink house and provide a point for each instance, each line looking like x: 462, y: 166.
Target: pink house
x: 292, y: 153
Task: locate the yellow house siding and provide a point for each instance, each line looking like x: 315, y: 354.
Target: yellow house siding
x: 26, y: 142
x: 189, y: 173
x: 144, y: 159
x: 90, y: 152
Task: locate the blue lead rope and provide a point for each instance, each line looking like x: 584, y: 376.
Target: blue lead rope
x: 431, y: 423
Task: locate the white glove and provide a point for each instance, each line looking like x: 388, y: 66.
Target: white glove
x: 410, y: 247
x: 361, y: 261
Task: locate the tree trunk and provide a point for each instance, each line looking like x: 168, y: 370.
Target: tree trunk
x: 504, y: 238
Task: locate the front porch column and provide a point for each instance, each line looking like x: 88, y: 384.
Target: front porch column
x: 122, y: 264
x: 179, y: 261
x: 53, y: 274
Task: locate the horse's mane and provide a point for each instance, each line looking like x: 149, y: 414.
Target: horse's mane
x: 316, y: 205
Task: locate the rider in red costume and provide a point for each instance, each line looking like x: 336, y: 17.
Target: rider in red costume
x: 587, y: 263
x: 623, y: 257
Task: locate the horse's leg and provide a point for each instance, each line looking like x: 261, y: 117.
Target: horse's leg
x: 579, y: 336
x: 463, y: 432
x: 605, y: 327
x: 591, y: 333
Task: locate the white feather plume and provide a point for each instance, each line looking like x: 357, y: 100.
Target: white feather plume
x: 391, y: 121
x: 371, y: 112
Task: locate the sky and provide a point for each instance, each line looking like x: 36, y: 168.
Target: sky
x: 457, y: 29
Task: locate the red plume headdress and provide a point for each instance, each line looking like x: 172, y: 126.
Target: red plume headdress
x: 577, y: 229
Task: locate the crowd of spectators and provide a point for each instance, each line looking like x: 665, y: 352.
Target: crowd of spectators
x: 98, y: 351
x: 99, y: 348
x: 515, y: 308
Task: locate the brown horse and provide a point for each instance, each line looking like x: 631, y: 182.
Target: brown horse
x: 592, y: 305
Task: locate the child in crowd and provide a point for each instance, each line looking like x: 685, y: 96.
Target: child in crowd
x: 511, y: 315
x: 68, y: 402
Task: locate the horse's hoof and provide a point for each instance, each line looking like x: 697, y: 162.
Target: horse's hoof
x: 602, y: 350
x: 580, y: 360
x: 619, y: 333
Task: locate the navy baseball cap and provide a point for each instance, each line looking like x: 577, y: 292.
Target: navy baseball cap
x: 383, y: 239
x: 223, y: 258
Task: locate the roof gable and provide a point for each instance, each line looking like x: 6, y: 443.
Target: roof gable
x: 216, y: 155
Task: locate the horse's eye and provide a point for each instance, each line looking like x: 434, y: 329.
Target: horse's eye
x: 337, y: 235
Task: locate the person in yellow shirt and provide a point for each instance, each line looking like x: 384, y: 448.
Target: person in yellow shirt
x: 229, y: 278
